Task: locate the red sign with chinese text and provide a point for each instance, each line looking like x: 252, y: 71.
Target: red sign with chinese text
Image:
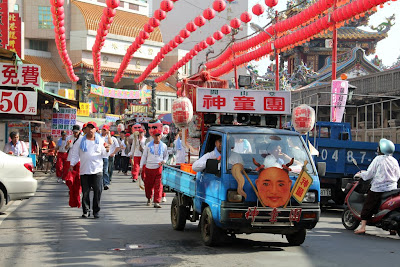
x: 14, y: 32
x: 26, y: 75
x: 243, y: 101
x: 3, y: 23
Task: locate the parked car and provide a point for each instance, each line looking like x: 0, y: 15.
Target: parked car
x: 16, y: 179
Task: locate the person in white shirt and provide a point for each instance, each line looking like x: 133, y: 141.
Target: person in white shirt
x: 154, y: 156
x: 125, y: 149
x: 76, y: 135
x: 179, y: 148
x: 16, y: 147
x: 136, y: 153
x: 105, y: 134
x: 89, y: 150
x: 62, y: 154
x: 114, y: 149
x: 384, y: 171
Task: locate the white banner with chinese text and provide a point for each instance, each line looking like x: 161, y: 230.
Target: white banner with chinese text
x: 26, y: 75
x: 243, y: 101
x: 338, y: 99
x: 18, y: 102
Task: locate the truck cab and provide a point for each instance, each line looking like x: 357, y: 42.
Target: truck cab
x: 213, y: 192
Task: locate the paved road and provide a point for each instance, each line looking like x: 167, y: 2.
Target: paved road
x: 44, y: 231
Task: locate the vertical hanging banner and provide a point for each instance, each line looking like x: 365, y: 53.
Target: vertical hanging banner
x: 338, y: 99
x: 3, y: 23
x: 14, y: 32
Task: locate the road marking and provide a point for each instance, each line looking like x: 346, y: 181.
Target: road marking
x: 9, y: 210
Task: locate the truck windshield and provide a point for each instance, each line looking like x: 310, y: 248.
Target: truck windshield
x: 267, y: 149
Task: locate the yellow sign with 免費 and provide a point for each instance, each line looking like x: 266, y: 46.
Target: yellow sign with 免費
x: 83, y: 110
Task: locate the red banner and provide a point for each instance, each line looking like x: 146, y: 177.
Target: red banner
x: 3, y: 23
x: 14, y: 26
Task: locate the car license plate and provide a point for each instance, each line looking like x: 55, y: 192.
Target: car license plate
x: 326, y: 192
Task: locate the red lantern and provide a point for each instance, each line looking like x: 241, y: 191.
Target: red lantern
x: 271, y: 3
x: 197, y: 48
x: 193, y: 52
x: 235, y: 23
x: 191, y: 26
x: 199, y: 21
x: 218, y: 35
x: 178, y: 39
x: 154, y: 22
x: 59, y: 11
x: 245, y: 17
x: 182, y: 111
x: 144, y: 35
x: 173, y: 44
x: 258, y: 10
x: 226, y: 29
x: 210, y: 40
x: 303, y: 118
x: 178, y: 85
x: 61, y: 17
x: 109, y: 12
x: 209, y: 13
x: 112, y: 3
x: 219, y: 5
x: 184, y: 34
x: 147, y: 28
x: 160, y: 14
x: 61, y: 30
x: 58, y: 3
x: 167, y: 5
x: 203, y: 45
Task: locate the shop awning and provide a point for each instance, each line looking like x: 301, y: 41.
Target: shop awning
x: 53, y: 98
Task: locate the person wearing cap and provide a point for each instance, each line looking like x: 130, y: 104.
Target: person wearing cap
x: 84, y: 129
x: 137, y: 148
x: 105, y: 134
x: 154, y: 156
x: 89, y: 150
x: 62, y: 154
x: 76, y: 134
x: 125, y: 149
x: 384, y: 171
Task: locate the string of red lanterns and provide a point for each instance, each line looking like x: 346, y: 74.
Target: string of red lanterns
x: 337, y: 16
x: 57, y: 10
x: 190, y: 27
x: 154, y: 22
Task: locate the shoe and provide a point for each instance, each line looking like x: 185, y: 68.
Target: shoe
x: 106, y: 187
x: 133, y: 181
x: 85, y: 215
x: 164, y: 199
x: 392, y: 232
x: 96, y: 215
x: 148, y: 202
x: 59, y: 180
x: 63, y: 181
x: 157, y: 206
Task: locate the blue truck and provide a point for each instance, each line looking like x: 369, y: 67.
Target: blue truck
x: 212, y: 195
x: 334, y: 163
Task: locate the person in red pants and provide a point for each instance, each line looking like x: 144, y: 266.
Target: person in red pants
x: 62, y: 154
x: 154, y: 156
x: 76, y: 134
x: 137, y: 148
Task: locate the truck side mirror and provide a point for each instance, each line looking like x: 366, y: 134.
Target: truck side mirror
x: 212, y: 167
x: 344, y: 136
x: 321, y: 168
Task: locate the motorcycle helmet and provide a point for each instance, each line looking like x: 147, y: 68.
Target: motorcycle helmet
x: 386, y: 146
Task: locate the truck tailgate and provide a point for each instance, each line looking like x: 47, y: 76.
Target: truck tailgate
x: 179, y: 180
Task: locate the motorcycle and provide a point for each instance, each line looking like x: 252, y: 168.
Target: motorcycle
x: 388, y: 215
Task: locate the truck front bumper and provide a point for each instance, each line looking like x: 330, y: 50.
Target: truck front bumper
x: 251, y: 219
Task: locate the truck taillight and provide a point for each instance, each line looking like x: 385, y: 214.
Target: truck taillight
x: 29, y: 166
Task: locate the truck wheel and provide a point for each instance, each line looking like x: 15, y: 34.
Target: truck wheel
x: 178, y: 215
x: 210, y: 233
x: 297, y: 238
x: 348, y: 220
x: 2, y: 200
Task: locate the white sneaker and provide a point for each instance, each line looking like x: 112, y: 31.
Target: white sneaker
x: 63, y: 181
x: 58, y: 180
x: 164, y: 199
x: 148, y: 202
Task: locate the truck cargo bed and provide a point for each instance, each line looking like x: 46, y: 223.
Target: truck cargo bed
x: 179, y: 181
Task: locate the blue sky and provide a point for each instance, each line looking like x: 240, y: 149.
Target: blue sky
x: 388, y: 49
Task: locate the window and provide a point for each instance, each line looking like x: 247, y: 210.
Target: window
x: 45, y: 19
x: 133, y: 7
x: 38, y: 45
x: 121, y: 4
x: 166, y: 104
x: 159, y: 104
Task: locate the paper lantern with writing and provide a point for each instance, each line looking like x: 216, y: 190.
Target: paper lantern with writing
x: 160, y: 14
x: 182, y: 112
x: 219, y: 5
x: 112, y: 3
x: 199, y: 21
x: 218, y: 35
x: 154, y: 22
x: 245, y: 17
x: 271, y: 3
x: 258, y: 10
x: 226, y: 29
x: 303, y: 118
x: 191, y: 26
x: 167, y: 5
x: 235, y: 23
x: 209, y: 14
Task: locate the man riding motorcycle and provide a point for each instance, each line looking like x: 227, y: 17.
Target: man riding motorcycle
x: 384, y: 171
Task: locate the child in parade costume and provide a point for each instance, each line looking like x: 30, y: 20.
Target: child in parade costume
x: 62, y: 154
x: 138, y: 144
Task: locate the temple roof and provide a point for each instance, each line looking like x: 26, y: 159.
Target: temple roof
x: 352, y: 33
x: 124, y: 24
x: 49, y: 71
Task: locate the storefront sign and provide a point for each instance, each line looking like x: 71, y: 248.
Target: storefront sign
x: 26, y: 75
x: 83, y: 110
x: 63, y: 121
x: 3, y: 23
x: 18, y: 102
x: 14, y: 43
x: 243, y: 101
x: 119, y: 93
x: 338, y: 99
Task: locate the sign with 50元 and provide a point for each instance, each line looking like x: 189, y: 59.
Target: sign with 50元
x: 18, y: 102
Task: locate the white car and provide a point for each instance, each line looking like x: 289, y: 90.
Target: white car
x: 16, y: 179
